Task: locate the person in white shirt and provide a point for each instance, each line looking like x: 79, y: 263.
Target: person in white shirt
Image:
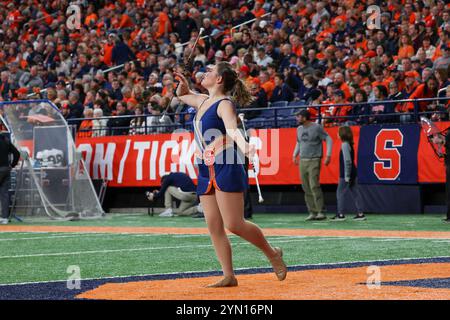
x: 99, y: 125
x: 261, y: 58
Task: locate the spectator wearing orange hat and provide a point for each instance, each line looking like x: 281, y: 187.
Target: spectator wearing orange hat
x: 65, y: 111
x: 244, y: 75
x: 411, y: 84
x: 22, y: 93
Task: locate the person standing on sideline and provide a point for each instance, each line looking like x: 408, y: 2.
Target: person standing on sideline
x: 176, y: 185
x: 442, y: 141
x: 347, y: 176
x: 309, y: 146
x: 222, y: 181
x: 447, y: 174
x: 6, y: 149
x: 248, y: 207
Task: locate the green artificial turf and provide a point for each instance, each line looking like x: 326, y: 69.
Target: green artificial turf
x: 29, y: 257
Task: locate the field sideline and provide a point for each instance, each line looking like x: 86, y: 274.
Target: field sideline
x: 139, y: 257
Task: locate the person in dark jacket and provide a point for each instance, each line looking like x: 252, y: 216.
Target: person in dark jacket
x: 6, y: 150
x: 180, y: 186
x: 347, y: 176
x: 184, y: 26
x: 260, y: 100
x: 121, y: 53
x: 119, y: 126
x: 447, y: 175
x: 282, y: 92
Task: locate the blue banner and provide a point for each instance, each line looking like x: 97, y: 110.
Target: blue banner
x: 387, y: 154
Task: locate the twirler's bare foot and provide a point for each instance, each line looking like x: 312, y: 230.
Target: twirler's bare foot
x: 279, y: 267
x: 229, y: 281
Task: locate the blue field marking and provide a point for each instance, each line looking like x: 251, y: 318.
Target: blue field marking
x: 57, y: 290
x: 432, y: 283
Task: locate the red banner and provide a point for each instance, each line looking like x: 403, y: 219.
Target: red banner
x: 431, y: 168
x: 131, y: 161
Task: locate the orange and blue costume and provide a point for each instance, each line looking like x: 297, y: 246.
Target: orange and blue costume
x: 221, y: 166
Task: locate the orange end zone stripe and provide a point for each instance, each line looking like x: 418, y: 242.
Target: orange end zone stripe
x: 267, y: 231
x: 341, y: 284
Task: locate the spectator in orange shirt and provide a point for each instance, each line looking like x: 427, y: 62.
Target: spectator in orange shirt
x: 295, y: 42
x: 244, y: 75
x: 91, y: 16
x: 339, y: 81
x: 85, y: 130
x: 410, y: 86
x: 340, y: 111
x: 258, y: 10
x: 429, y: 89
x: 379, y: 79
x: 316, y: 98
x: 266, y: 84
x: 164, y: 25
x: 108, y: 49
x: 406, y: 50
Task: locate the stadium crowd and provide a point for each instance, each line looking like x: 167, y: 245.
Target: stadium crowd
x: 121, y: 59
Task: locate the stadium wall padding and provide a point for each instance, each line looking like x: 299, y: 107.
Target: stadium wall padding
x: 140, y: 161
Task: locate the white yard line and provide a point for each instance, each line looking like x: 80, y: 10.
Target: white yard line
x: 398, y: 239
x: 136, y: 249
x: 287, y: 240
x: 85, y: 235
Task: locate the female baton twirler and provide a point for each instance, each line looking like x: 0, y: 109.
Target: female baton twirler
x: 222, y: 179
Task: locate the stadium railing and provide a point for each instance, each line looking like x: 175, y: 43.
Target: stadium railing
x: 284, y: 116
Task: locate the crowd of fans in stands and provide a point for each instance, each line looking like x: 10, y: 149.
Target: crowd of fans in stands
x: 310, y: 52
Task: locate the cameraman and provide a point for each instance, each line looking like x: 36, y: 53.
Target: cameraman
x: 6, y: 149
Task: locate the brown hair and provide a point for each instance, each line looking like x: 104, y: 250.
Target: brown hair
x: 232, y: 83
x: 346, y: 134
x: 442, y: 73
